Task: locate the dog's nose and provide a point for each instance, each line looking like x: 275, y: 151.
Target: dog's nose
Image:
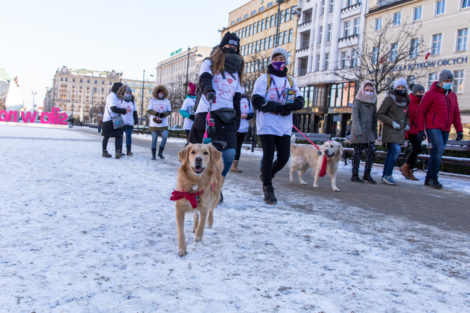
x: 198, y: 160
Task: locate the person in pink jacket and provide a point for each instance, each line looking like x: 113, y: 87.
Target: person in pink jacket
x: 437, y: 111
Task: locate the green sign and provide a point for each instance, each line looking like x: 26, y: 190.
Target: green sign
x: 176, y: 52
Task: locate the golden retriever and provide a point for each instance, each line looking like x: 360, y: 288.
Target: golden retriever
x: 200, y: 172
x: 305, y: 156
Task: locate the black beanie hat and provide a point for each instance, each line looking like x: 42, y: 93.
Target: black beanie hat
x: 116, y: 87
x: 230, y: 39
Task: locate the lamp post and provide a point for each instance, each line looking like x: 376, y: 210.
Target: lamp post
x: 279, y: 2
x: 142, y: 96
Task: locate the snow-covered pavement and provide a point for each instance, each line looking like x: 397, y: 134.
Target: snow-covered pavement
x: 80, y: 233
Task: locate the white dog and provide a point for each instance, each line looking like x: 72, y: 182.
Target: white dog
x: 305, y: 156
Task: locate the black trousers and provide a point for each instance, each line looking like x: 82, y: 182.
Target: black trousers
x: 240, y: 139
x: 415, y: 150
x: 117, y: 143
x: 370, y: 155
x: 271, y: 143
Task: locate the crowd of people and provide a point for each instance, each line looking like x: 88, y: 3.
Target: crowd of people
x: 218, y: 111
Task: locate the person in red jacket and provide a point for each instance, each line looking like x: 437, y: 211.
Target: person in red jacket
x: 437, y: 111
x: 417, y: 92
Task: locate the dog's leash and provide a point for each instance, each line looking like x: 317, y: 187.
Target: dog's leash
x: 325, y: 159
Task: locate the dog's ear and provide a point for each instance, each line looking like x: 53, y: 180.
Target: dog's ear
x: 183, y: 154
x: 215, y: 154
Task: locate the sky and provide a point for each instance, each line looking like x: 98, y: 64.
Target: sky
x: 38, y: 37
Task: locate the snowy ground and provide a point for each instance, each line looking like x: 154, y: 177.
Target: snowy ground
x: 79, y: 233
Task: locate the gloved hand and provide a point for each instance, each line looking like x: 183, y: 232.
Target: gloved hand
x: 421, y: 135
x: 459, y: 136
x: 407, y: 128
x: 192, y: 117
x: 272, y: 107
x: 395, y: 125
x: 284, y: 110
x: 210, y: 96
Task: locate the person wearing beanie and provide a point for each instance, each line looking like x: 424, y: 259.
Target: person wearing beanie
x: 275, y: 96
x: 220, y: 81
x: 438, y: 110
x: 187, y: 109
x: 417, y: 92
x: 130, y: 118
x: 111, y: 110
x: 246, y: 114
x: 159, y: 108
x: 393, y: 113
x: 364, y: 130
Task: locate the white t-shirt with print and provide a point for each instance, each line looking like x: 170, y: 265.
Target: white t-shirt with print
x: 129, y: 116
x: 188, y: 106
x: 111, y: 101
x: 160, y: 106
x: 225, y: 89
x: 245, y: 108
x: 269, y: 123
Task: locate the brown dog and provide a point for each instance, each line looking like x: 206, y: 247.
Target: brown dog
x: 199, y: 180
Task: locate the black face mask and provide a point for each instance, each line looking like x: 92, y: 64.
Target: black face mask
x: 229, y: 50
x: 400, y: 93
x: 233, y: 63
x: 419, y: 96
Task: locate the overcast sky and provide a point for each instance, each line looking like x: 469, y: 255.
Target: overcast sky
x: 37, y: 37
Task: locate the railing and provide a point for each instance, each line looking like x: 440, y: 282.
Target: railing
x: 351, y: 7
x: 305, y: 23
x: 353, y: 36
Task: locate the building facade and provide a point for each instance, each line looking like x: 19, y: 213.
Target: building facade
x: 443, y: 30
x: 329, y: 43
x: 256, y: 24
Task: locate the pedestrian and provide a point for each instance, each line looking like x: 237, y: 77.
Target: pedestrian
x: 130, y: 118
x: 187, y: 109
x: 159, y: 108
x: 112, y: 110
x: 394, y: 115
x: 364, y: 130
x: 275, y: 96
x: 246, y: 114
x: 438, y: 110
x: 220, y: 79
x: 100, y: 122
x: 417, y: 92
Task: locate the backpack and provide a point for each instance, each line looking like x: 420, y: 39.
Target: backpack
x: 268, y: 85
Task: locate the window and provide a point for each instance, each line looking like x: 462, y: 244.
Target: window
x: 258, y: 26
x: 102, y: 82
x: 440, y: 7
x: 397, y: 18
x: 378, y: 24
x: 414, y: 45
x: 285, y: 37
x: 411, y: 79
x: 291, y: 33
x: 436, y: 44
x: 266, y: 23
x: 331, y: 6
x: 354, y: 58
x: 246, y: 16
x: 289, y: 55
x: 462, y: 39
x: 375, y: 55
x: 287, y: 15
x: 233, y: 23
x: 346, y: 29
x: 261, y: 27
x: 270, y: 41
x: 432, y: 77
x: 356, y: 26
x: 317, y: 63
x: 465, y: 4
x: 249, y: 30
x: 320, y: 30
x: 328, y: 34
x: 81, y: 80
x: 88, y: 81
x: 66, y: 79
x: 243, y: 32
x: 253, y: 12
x: 417, y: 12
x: 327, y: 55
x: 343, y: 59
x: 271, y: 21
x: 292, y: 12
x: 61, y: 79
x: 282, y: 17
x: 270, y: 4
x: 322, y: 7
x: 73, y: 80
x: 458, y: 81
x: 275, y: 19
x: 261, y: 9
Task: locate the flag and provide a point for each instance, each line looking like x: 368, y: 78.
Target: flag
x: 427, y: 55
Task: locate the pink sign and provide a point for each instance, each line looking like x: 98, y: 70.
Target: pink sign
x: 53, y: 117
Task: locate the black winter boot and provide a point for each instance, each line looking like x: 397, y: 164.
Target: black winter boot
x: 154, y: 153
x: 368, y: 178
x: 434, y: 183
x: 118, y: 154
x: 356, y: 178
x: 269, y: 197
x: 106, y: 154
x: 129, y: 153
x: 160, y: 152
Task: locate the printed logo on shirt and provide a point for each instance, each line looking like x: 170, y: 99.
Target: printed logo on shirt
x: 225, y: 88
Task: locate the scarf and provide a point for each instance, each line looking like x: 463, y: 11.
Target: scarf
x: 361, y: 96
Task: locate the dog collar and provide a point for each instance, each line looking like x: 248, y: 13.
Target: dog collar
x: 192, y: 197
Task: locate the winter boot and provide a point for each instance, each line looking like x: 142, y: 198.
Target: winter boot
x: 106, y: 154
x: 355, y: 178
x: 235, y: 167
x: 160, y: 152
x: 368, y: 178
x: 426, y: 180
x: 434, y: 183
x: 405, y: 170
x: 129, y: 153
x: 412, y: 176
x: 118, y: 154
x: 269, y: 197
x: 154, y: 153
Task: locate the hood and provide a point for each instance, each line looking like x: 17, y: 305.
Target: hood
x: 414, y: 99
x: 157, y: 89
x: 400, y: 101
x: 435, y: 87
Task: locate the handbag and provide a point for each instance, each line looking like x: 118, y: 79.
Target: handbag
x: 226, y: 116
x: 117, y: 120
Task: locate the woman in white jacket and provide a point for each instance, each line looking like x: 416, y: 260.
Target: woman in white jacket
x: 159, y: 108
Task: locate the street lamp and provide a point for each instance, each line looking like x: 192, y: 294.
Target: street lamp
x: 143, y: 90
x: 279, y: 2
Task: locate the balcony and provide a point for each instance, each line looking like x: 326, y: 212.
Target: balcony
x: 304, y: 26
x: 348, y: 41
x: 351, y: 10
x: 301, y: 52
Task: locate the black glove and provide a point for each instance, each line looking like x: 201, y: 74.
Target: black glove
x: 210, y: 96
x: 249, y: 116
x: 459, y: 136
x: 272, y: 107
x: 192, y: 117
x: 421, y: 136
x: 284, y: 110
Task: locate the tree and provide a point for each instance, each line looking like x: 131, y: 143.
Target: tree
x: 387, y: 55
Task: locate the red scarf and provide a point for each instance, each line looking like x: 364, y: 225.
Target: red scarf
x: 193, y: 198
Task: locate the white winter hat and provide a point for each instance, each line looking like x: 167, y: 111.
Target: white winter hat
x: 281, y: 51
x: 400, y: 82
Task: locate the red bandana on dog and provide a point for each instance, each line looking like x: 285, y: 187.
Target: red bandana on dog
x: 323, y: 166
x: 191, y: 197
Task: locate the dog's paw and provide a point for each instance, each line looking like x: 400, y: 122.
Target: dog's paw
x: 336, y: 189
x: 315, y: 185
x: 198, y: 238
x: 303, y: 182
x: 182, y: 252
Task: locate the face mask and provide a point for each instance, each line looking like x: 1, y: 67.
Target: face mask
x: 233, y: 63
x: 400, y: 92
x: 160, y: 95
x: 279, y: 66
x: 447, y: 86
x: 368, y: 93
x: 127, y: 97
x: 419, y: 96
x: 229, y: 50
